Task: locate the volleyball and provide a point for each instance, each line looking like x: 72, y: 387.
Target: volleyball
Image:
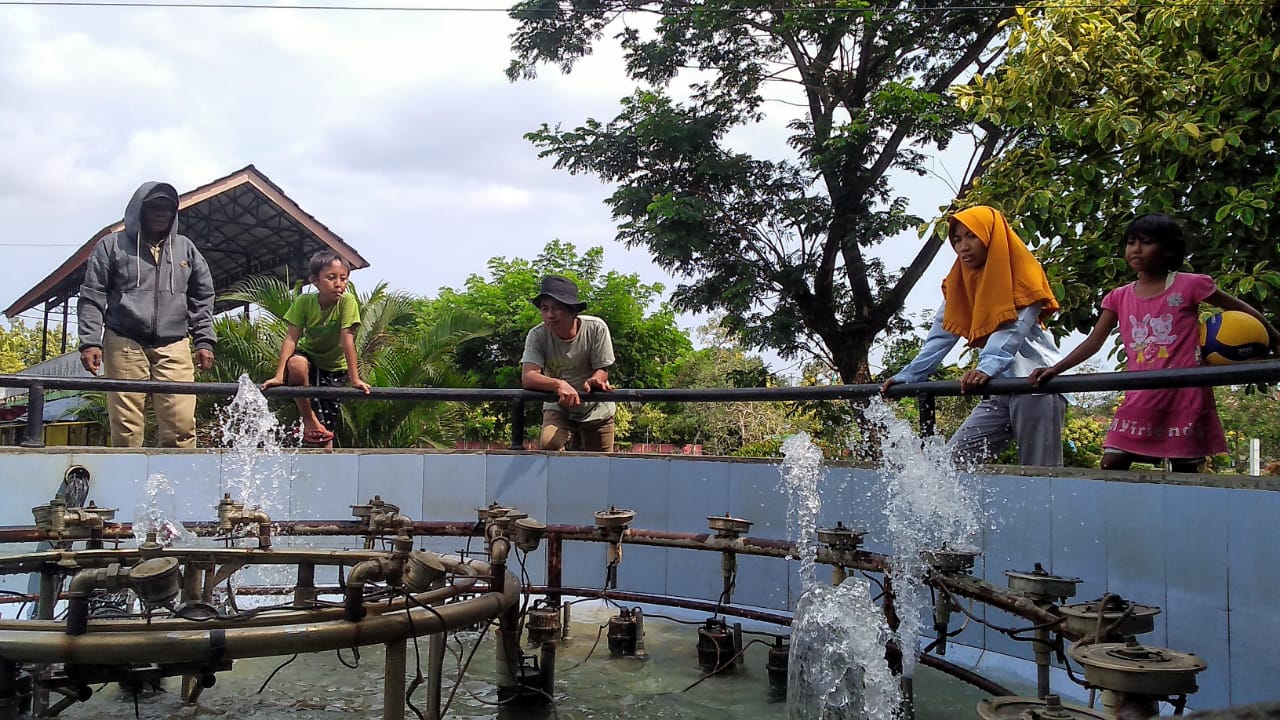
x: 1231, y: 337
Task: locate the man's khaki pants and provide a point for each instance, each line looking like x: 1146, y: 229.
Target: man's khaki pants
x: 558, y: 430
x: 125, y: 359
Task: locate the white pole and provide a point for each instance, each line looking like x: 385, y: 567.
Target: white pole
x: 1255, y: 452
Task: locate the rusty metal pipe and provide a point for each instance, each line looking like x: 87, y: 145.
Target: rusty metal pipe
x: 379, y: 568
x: 466, y: 576
x: 435, y: 674
x: 393, y: 685
x: 1002, y: 599
x: 85, y: 582
x: 499, y: 549
x: 264, y: 529
x: 206, y: 645
x: 507, y: 649
x: 761, y: 547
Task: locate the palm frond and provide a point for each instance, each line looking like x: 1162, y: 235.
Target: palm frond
x: 268, y: 292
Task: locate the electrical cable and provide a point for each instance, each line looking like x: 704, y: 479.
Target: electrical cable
x: 273, y: 673
x: 589, y: 652
x: 417, y: 653
x: 354, y: 651
x: 462, y: 671
x: 722, y: 666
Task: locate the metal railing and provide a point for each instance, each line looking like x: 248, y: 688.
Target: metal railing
x: 1265, y: 371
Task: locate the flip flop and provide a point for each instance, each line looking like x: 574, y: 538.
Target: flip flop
x: 317, y: 437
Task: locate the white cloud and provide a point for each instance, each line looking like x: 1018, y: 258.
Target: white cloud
x: 398, y: 130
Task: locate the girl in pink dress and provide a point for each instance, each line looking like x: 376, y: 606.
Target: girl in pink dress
x: 1158, y: 316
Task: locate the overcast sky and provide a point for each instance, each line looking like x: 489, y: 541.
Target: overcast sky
x: 398, y: 130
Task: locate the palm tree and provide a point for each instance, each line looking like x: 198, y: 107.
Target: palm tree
x: 393, y: 349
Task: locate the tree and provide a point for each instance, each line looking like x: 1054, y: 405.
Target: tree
x: 751, y: 429
x: 781, y: 247
x: 1120, y: 108
x: 20, y: 345
x: 646, y: 338
x: 727, y: 428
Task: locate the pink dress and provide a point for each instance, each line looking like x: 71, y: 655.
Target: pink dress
x: 1163, y: 332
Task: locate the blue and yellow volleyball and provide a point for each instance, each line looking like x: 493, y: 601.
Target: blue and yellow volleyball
x: 1231, y: 337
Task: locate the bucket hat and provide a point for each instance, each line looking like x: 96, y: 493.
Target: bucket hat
x: 562, y: 290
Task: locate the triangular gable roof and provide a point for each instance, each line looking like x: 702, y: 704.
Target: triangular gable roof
x: 243, y: 224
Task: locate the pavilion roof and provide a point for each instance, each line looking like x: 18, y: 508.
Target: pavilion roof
x: 243, y: 224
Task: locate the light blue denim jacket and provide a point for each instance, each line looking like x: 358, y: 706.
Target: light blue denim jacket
x: 1013, y: 350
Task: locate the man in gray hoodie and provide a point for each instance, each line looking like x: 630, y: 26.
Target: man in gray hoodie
x: 146, y: 290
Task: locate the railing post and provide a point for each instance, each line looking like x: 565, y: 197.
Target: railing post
x: 928, y: 415
x: 517, y: 424
x: 34, y: 437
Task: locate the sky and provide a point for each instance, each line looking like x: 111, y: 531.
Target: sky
x: 396, y: 129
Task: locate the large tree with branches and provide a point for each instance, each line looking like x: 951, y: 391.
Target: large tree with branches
x: 785, y: 249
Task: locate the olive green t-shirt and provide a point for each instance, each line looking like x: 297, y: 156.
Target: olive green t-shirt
x: 573, y: 361
x: 322, y: 329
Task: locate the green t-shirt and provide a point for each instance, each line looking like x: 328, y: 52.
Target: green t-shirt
x: 573, y: 361
x: 322, y: 329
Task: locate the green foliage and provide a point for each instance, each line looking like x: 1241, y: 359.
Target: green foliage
x: 782, y: 247
x: 1250, y: 413
x: 20, y: 345
x: 744, y: 429
x: 646, y: 338
x: 767, y: 448
x: 1114, y: 109
x: 724, y: 428
x: 1082, y: 437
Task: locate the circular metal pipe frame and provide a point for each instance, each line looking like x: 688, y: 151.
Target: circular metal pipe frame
x: 310, y: 630
x: 124, y: 642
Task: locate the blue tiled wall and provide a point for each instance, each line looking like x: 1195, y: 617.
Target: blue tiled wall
x: 1206, y: 556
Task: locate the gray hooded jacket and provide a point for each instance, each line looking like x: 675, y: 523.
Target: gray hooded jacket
x: 151, y: 303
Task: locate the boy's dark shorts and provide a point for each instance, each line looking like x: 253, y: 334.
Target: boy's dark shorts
x: 327, y: 409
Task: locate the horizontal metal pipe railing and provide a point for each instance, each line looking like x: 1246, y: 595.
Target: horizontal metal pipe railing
x: 1265, y: 371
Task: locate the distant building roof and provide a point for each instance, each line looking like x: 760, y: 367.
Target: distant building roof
x: 63, y: 409
x: 65, y: 365
x: 243, y: 224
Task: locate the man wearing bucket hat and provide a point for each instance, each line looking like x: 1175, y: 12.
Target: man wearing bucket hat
x: 147, y: 297
x: 568, y: 354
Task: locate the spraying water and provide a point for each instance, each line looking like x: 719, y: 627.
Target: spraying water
x: 836, y: 666
x: 928, y: 508
x: 158, y: 513
x: 257, y: 465
x: 801, y: 471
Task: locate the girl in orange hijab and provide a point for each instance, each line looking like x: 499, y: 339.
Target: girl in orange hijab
x: 995, y: 297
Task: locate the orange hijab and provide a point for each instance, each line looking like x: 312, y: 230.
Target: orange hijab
x: 979, y: 300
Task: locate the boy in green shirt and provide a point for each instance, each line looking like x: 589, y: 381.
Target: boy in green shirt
x: 320, y: 347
